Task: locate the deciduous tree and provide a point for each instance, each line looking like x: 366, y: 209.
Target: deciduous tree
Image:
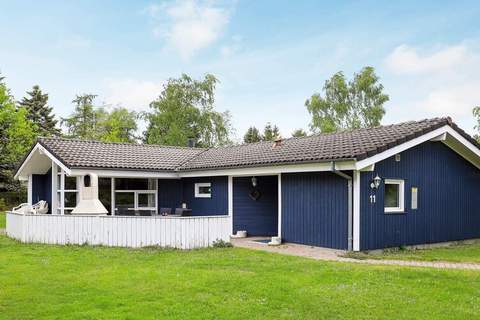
x: 185, y: 110
x: 348, y: 104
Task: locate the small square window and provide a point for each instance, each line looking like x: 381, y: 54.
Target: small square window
x: 394, y: 196
x: 203, y: 190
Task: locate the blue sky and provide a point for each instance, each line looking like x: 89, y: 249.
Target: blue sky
x: 269, y: 56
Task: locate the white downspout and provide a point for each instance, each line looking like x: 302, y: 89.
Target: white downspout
x: 350, y: 204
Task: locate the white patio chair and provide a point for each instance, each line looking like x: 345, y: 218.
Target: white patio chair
x: 24, y: 208
x: 40, y: 207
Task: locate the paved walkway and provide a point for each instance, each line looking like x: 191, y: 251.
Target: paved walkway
x: 336, y: 255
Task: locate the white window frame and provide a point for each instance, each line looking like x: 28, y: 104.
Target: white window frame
x: 401, y: 196
x: 60, y: 192
x: 136, y: 193
x: 201, y: 185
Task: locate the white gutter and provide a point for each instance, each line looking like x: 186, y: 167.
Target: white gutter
x: 350, y: 205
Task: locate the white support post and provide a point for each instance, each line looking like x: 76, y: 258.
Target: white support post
x: 356, y: 210
x: 230, y: 202
x: 30, y: 190
x: 279, y: 205
x: 53, y: 206
x: 62, y: 192
x: 112, y: 202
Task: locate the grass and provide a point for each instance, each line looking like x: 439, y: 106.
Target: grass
x: 454, y: 253
x: 81, y: 282
x: 3, y: 221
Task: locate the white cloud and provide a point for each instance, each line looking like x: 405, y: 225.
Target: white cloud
x: 132, y: 94
x: 407, y: 60
x: 444, y: 82
x: 189, y: 26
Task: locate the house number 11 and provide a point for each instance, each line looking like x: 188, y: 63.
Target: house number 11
x: 372, y: 198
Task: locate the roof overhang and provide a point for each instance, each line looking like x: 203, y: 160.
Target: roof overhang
x: 271, y: 170
x: 38, y: 161
x: 445, y: 134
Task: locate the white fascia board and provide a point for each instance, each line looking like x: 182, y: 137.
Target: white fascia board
x: 435, y: 135
x: 271, y: 170
x: 125, y: 174
x: 39, y: 148
x: 404, y: 146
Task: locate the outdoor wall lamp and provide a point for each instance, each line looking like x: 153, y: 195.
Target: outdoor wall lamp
x: 254, y: 181
x: 376, y: 182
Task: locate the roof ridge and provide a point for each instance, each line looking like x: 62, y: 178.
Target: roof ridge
x: 40, y: 138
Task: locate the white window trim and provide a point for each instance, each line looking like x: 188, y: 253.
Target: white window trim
x: 200, y: 185
x: 401, y: 196
x: 136, y: 207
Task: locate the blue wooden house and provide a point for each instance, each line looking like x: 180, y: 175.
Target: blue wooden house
x: 405, y: 184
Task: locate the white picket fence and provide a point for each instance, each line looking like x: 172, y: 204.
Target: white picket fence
x: 119, y: 231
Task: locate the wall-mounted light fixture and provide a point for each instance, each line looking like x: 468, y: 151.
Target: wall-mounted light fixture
x: 375, y: 182
x: 254, y: 181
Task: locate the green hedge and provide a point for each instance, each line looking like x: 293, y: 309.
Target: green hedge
x: 8, y: 200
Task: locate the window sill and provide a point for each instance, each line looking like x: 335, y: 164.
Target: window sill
x: 395, y: 212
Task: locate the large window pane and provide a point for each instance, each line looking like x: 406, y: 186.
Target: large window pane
x: 70, y: 199
x: 124, y: 201
x: 146, y: 200
x: 70, y: 183
x: 131, y: 184
x: 105, y: 193
x: 392, y: 195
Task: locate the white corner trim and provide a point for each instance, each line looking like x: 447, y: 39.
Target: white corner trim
x: 279, y: 196
x: 230, y: 202
x: 30, y: 190
x: 356, y: 210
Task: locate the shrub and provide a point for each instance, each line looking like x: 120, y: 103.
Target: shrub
x: 219, y: 243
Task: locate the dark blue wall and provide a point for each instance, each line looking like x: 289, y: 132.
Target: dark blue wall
x: 42, y: 188
x: 448, y: 199
x: 315, y: 209
x: 216, y: 205
x: 172, y: 193
x: 258, y: 217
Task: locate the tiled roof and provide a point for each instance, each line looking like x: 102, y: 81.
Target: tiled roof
x: 355, y: 144
x: 348, y: 145
x: 93, y: 154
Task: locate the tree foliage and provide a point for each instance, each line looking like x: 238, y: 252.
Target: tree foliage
x: 476, y: 115
x: 252, y: 135
x: 39, y: 112
x: 185, y: 110
x: 120, y: 125
x: 83, y: 123
x: 96, y: 123
x: 348, y: 104
x: 270, y: 132
x: 299, y: 133
x: 17, y: 133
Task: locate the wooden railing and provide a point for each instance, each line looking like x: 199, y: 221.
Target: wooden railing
x: 119, y: 231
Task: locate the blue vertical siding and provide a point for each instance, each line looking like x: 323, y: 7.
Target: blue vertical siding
x: 448, y: 199
x: 42, y: 188
x: 258, y: 217
x: 170, y: 193
x: 315, y: 209
x: 216, y: 205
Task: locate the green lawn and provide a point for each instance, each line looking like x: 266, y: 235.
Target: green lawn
x: 45, y: 282
x: 2, y: 220
x: 454, y: 253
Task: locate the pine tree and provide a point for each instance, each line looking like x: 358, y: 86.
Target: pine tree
x: 40, y: 113
x: 270, y: 133
x: 252, y: 135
